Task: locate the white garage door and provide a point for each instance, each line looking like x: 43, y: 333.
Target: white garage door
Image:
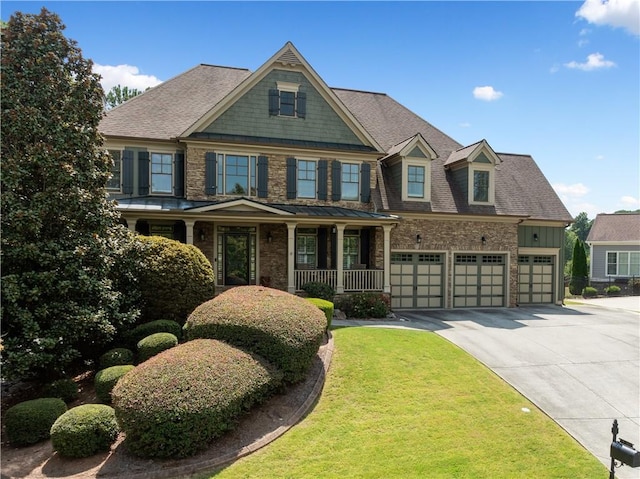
x: 535, y: 279
x: 479, y: 280
x: 417, y: 280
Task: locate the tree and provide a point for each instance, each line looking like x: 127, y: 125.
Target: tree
x: 58, y: 228
x: 118, y: 95
x: 579, y: 269
x: 581, y: 226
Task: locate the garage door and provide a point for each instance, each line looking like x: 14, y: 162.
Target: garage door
x: 479, y: 280
x: 535, y: 279
x: 417, y: 280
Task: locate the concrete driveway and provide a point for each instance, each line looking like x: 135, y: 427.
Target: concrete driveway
x: 580, y: 364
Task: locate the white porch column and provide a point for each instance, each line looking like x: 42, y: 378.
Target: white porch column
x: 291, y: 257
x: 189, y: 226
x: 340, y: 259
x: 386, y: 287
x: 131, y: 224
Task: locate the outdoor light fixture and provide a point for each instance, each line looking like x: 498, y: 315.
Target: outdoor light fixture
x: 269, y: 237
x: 201, y: 234
x: 333, y: 230
x: 418, y: 239
x: 484, y: 240
x: 535, y: 236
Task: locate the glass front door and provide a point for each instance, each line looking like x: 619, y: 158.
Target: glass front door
x: 236, y: 256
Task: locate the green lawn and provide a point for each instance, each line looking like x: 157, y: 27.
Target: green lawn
x: 408, y: 404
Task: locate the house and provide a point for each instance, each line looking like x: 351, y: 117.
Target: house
x: 280, y: 180
x: 614, y: 245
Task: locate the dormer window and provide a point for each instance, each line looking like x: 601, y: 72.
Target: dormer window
x: 415, y: 181
x: 287, y: 100
x: 481, y: 183
x: 473, y: 169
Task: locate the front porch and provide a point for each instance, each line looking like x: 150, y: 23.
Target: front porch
x: 353, y: 280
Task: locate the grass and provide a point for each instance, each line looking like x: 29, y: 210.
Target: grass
x: 408, y: 404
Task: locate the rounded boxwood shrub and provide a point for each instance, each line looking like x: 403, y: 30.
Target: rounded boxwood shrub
x: 85, y: 430
x: 175, y: 403
x: 317, y: 289
x: 147, y: 329
x: 589, y: 292
x: 325, y: 306
x: 106, y: 379
x: 612, y: 290
x: 29, y: 422
x: 116, y: 357
x: 155, y: 343
x: 65, y: 389
x: 285, y: 329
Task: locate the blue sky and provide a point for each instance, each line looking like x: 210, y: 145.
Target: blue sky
x: 557, y: 80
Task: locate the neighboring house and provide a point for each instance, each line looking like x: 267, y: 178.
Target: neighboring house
x: 614, y: 242
x: 280, y: 180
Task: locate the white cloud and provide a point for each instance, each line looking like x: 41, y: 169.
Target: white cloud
x: 595, y: 61
x: 616, y: 13
x: 124, y: 75
x: 630, y: 203
x: 576, y: 190
x: 486, y: 93
x: 582, y: 42
x: 465, y: 124
x: 600, y: 157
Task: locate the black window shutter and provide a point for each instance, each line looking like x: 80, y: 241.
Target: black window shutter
x: 210, y: 173
x: 143, y: 173
x: 274, y: 102
x: 291, y: 178
x: 179, y: 169
x: 364, y: 246
x: 322, y: 248
x: 322, y: 179
x: 263, y: 176
x: 127, y: 172
x: 365, y: 179
x: 302, y: 104
x: 336, y: 180
x: 334, y: 253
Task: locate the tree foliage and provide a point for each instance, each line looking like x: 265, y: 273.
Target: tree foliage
x: 119, y: 94
x: 579, y: 269
x: 581, y: 226
x: 58, y: 228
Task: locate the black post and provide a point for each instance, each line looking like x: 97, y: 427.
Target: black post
x: 614, y: 431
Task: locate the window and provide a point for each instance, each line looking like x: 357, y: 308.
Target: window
x: 623, y: 263
x: 113, y: 183
x: 287, y: 103
x: 306, y: 179
x: 287, y: 100
x: 415, y: 181
x: 481, y: 186
x: 306, y: 247
x: 350, y: 181
x: 351, y: 248
x: 236, y: 175
x: 161, y: 172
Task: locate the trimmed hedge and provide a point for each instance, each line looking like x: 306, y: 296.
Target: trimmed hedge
x: 175, y: 403
x: 65, y: 389
x: 317, y: 289
x: 325, y: 306
x: 141, y: 331
x: 116, y: 357
x: 29, y: 422
x: 589, y: 292
x: 285, y: 329
x: 85, y: 430
x: 365, y: 305
x: 106, y: 379
x: 154, y: 344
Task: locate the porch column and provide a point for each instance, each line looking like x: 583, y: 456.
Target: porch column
x: 189, y: 227
x: 340, y: 259
x: 291, y: 257
x: 131, y: 224
x: 386, y: 286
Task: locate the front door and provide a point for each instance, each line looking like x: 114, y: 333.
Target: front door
x: 236, y: 256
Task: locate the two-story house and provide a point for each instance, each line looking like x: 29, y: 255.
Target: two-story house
x: 280, y: 180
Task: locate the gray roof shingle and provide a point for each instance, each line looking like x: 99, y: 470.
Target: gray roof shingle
x: 615, y: 228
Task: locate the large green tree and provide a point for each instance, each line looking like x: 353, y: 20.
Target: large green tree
x: 579, y: 268
x: 58, y: 228
x: 119, y: 94
x: 581, y: 226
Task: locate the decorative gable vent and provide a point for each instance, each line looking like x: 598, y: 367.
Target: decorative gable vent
x: 289, y: 58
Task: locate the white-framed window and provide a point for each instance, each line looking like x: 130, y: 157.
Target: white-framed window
x: 161, y: 173
x: 287, y: 99
x: 351, y: 248
x: 481, y: 183
x: 306, y: 178
x: 236, y: 174
x: 114, y: 184
x: 306, y: 247
x: 416, y: 175
x: 350, y: 181
x: 623, y: 263
x: 415, y: 181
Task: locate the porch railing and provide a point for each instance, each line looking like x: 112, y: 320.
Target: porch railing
x: 352, y: 280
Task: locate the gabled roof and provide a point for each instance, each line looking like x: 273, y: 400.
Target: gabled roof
x: 405, y: 147
x: 615, y: 228
x: 468, y: 153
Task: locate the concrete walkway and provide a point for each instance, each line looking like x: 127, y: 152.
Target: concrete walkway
x: 580, y: 364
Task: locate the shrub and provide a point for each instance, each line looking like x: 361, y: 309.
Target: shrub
x: 612, y: 290
x: 106, y: 379
x: 589, y: 292
x: 65, y: 389
x: 147, y: 329
x: 155, y: 343
x: 365, y: 305
x: 315, y: 289
x: 116, y: 357
x: 325, y: 306
x: 634, y: 286
x: 285, y: 329
x: 174, y: 404
x: 175, y: 278
x: 30, y: 421
x: 84, y: 430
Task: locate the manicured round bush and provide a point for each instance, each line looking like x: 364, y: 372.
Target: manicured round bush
x: 612, y: 290
x: 146, y: 329
x: 317, y: 289
x: 285, y: 329
x: 152, y: 345
x: 589, y: 292
x: 29, y: 422
x: 84, y: 430
x: 175, y: 403
x: 65, y: 389
x: 116, y: 357
x: 106, y: 379
x: 325, y: 306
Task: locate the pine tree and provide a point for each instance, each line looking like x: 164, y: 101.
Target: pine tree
x: 579, y: 269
